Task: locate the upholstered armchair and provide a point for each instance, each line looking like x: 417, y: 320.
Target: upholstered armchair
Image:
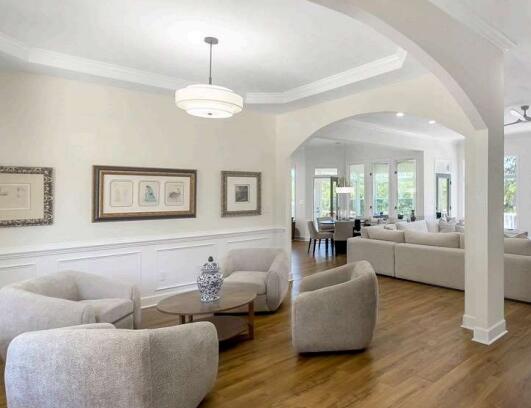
x: 99, y: 366
x: 65, y: 299
x: 336, y: 309
x: 265, y: 269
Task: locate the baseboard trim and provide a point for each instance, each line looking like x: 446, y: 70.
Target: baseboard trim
x: 469, y: 322
x: 490, y: 335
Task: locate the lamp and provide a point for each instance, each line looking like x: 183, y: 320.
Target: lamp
x: 207, y: 100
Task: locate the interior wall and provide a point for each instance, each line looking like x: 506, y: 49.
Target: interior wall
x: 72, y: 125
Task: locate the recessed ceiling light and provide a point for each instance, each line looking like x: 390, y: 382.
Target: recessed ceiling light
x: 399, y: 114
x: 432, y: 122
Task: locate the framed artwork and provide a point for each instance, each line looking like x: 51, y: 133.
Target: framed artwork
x: 138, y: 193
x: 26, y: 196
x: 241, y: 193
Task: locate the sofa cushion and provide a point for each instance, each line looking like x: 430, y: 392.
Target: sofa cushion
x: 391, y: 227
x: 448, y: 240
x: 365, y: 230
x: 257, y: 280
x: 412, y: 226
x: 447, y: 226
x: 386, y: 235
x: 58, y: 285
x: 517, y: 246
x: 459, y: 228
x: 110, y: 310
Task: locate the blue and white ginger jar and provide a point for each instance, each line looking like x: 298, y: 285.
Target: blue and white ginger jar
x: 210, y: 281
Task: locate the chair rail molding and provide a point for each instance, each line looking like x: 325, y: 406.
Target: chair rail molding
x: 158, y: 265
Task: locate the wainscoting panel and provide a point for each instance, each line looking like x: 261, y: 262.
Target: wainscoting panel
x: 13, y: 273
x: 125, y: 267
x: 159, y: 266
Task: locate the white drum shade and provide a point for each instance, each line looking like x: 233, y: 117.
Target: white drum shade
x: 208, y: 101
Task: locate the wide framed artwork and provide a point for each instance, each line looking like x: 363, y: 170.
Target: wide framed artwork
x: 26, y: 196
x: 241, y: 193
x: 140, y: 193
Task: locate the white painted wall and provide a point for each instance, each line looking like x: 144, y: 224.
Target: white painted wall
x: 72, y: 125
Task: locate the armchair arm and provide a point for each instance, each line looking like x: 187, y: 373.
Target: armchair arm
x: 277, y: 281
x: 184, y: 364
x: 327, y: 278
x: 93, y: 286
x: 23, y: 311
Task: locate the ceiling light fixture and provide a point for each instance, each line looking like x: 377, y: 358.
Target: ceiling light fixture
x: 399, y: 114
x: 207, y: 100
x: 432, y: 122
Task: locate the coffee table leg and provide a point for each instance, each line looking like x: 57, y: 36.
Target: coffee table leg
x: 250, y: 322
x: 182, y: 319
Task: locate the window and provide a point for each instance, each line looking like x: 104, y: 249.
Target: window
x: 357, y: 181
x: 381, y: 188
x: 406, y: 174
x: 443, y: 193
x: 325, y: 172
x: 293, y: 192
x: 509, y: 192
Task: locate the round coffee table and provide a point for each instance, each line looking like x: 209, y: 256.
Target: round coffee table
x: 186, y: 305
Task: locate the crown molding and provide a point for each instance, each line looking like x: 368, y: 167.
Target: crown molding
x: 64, y: 62
x: 51, y: 59
x: 369, y: 70
x: 466, y: 16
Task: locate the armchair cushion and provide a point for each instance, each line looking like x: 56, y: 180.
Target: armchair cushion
x: 257, y: 280
x: 110, y: 310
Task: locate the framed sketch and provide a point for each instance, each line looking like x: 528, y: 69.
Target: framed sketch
x: 26, y: 196
x: 136, y: 193
x: 241, y: 193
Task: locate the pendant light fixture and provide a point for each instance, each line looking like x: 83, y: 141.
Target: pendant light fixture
x: 207, y: 100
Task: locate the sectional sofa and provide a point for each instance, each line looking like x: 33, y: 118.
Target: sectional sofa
x: 416, y: 252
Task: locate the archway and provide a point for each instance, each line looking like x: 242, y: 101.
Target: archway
x: 468, y: 69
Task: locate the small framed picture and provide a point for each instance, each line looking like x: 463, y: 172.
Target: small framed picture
x: 26, y: 196
x: 133, y: 193
x: 241, y: 193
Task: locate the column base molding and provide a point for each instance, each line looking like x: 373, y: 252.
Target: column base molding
x: 491, y: 334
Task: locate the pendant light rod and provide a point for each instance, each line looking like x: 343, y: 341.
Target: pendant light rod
x: 211, y: 41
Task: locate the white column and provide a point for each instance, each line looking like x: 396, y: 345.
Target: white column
x: 484, y: 291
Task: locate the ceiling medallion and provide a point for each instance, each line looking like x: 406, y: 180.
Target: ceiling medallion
x: 207, y: 100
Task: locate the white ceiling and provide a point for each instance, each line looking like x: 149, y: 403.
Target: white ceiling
x: 507, y: 23
x: 272, y: 46
x: 383, y: 128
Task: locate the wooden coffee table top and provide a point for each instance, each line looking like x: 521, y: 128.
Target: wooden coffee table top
x: 188, y: 303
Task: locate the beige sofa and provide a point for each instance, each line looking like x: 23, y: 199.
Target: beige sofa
x: 436, y: 258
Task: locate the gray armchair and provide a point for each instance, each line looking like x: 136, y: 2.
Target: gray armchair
x: 336, y: 309
x: 65, y: 299
x: 100, y: 367
x: 266, y: 269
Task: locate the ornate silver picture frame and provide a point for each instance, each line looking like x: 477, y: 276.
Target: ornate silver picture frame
x: 241, y: 193
x: 26, y: 196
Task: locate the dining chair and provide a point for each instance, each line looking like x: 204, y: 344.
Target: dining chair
x: 317, y: 236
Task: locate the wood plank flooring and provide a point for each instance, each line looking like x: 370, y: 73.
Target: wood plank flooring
x: 419, y: 357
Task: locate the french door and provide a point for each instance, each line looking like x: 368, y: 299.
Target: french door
x: 324, y: 196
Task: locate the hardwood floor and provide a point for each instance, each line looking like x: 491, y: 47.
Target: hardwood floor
x: 419, y: 357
